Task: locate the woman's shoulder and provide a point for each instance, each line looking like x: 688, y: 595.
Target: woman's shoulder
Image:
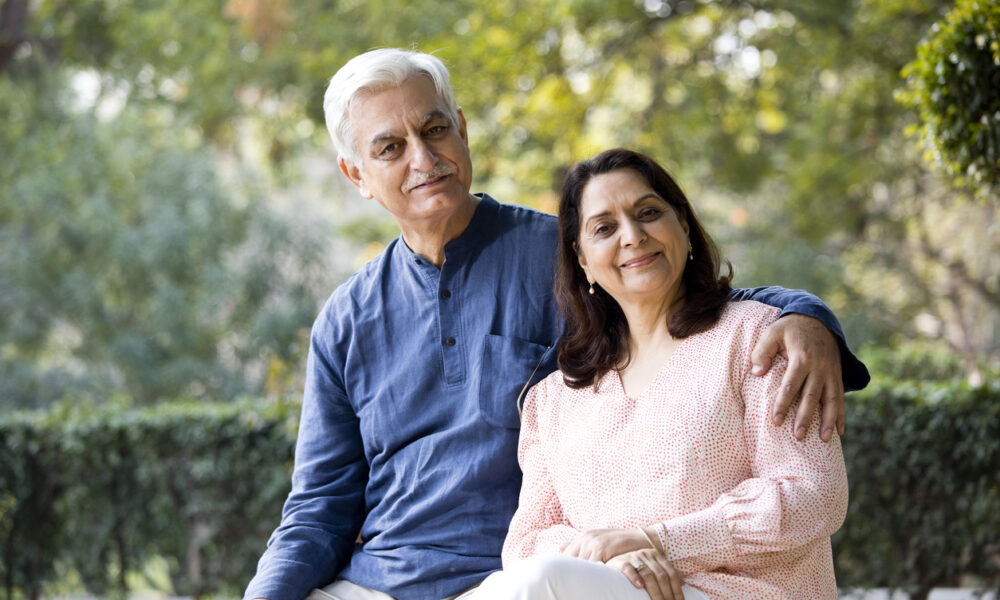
x: 553, y: 394
x: 551, y: 387
x: 739, y: 326
x: 742, y: 314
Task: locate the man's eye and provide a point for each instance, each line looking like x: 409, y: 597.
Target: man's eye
x: 389, y: 149
x: 437, y: 129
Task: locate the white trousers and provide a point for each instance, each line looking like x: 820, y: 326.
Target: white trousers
x: 345, y: 590
x: 551, y: 577
x: 557, y: 577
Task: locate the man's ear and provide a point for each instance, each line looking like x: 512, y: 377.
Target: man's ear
x: 462, y: 128
x: 356, y: 177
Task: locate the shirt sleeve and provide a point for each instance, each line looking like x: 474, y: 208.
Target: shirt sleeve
x: 797, y: 492
x: 538, y: 525
x: 323, y: 513
x: 854, y: 372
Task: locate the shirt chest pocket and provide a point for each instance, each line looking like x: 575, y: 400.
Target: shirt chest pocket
x: 506, y: 365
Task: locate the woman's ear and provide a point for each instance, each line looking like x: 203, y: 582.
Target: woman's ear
x: 583, y: 264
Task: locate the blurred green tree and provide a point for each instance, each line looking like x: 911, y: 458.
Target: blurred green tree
x: 778, y: 116
x: 954, y: 83
x: 129, y: 265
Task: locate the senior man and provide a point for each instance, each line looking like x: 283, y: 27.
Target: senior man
x: 406, y: 474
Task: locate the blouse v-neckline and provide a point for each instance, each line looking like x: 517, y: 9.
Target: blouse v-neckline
x: 660, y: 372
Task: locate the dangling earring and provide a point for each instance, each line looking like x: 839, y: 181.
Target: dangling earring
x: 690, y: 253
x: 591, y: 289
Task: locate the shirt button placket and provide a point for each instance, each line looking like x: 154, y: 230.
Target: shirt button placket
x: 448, y: 313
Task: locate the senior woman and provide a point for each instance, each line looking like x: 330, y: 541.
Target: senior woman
x: 649, y: 458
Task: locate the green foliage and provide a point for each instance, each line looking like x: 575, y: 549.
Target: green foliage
x: 136, y: 269
x: 912, y: 362
x: 924, y: 470
x: 101, y: 491
x: 954, y: 84
x: 779, y: 117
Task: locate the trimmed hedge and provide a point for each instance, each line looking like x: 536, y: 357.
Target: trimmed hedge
x: 923, y: 462
x: 99, y: 492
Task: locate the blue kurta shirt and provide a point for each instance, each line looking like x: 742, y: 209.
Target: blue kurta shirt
x: 409, y: 425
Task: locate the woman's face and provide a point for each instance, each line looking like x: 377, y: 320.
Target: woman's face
x: 631, y: 241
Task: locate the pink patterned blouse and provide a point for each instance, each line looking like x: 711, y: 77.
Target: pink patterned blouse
x: 743, y: 508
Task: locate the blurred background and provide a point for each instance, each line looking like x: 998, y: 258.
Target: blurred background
x: 172, y: 218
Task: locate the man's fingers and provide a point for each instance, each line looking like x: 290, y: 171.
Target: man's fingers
x: 837, y: 385
x: 812, y: 392
x: 791, y: 383
x: 832, y: 415
x: 764, y: 351
x: 828, y: 414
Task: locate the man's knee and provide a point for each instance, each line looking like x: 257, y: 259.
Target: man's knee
x: 345, y: 590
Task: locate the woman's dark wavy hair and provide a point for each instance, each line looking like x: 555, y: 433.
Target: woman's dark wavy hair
x: 595, y: 338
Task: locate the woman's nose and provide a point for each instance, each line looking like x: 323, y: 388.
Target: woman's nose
x: 632, y: 233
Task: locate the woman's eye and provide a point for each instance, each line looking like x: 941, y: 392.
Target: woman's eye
x: 649, y: 213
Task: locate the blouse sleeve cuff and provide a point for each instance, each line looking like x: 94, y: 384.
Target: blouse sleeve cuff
x: 695, y: 534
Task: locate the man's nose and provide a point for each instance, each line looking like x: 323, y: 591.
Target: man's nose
x: 423, y: 157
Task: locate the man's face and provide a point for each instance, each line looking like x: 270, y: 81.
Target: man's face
x: 414, y: 159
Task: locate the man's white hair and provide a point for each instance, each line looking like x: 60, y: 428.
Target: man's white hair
x: 375, y: 71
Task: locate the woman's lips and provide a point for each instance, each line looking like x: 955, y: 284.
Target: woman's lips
x: 641, y: 261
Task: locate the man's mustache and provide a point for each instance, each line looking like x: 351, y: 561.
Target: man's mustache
x: 418, y: 179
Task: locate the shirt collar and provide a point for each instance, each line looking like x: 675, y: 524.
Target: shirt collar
x: 479, y: 227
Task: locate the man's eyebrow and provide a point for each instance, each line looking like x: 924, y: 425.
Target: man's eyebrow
x: 434, y: 114
x: 388, y: 135
x: 381, y: 137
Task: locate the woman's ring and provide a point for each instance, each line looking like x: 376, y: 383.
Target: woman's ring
x: 638, y: 565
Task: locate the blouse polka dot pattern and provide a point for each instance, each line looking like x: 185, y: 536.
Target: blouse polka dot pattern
x: 745, y: 509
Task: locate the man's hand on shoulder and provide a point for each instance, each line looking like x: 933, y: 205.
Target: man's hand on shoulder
x: 814, y: 372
